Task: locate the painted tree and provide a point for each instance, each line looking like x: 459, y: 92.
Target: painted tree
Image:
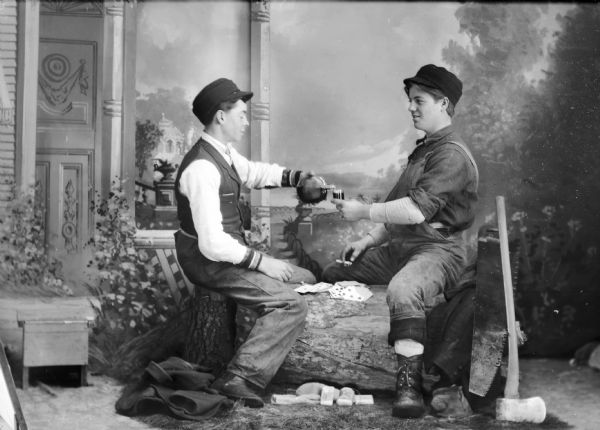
x: 505, y: 44
x: 538, y: 144
x: 563, y: 151
x: 170, y: 102
x: 147, y: 136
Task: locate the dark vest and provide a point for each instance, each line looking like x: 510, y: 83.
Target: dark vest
x: 229, y: 192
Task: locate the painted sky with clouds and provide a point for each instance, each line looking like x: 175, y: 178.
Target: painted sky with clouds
x: 337, y: 99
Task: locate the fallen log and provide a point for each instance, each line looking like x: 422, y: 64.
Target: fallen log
x: 344, y: 343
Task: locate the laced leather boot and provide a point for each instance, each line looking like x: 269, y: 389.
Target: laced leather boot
x: 408, y: 402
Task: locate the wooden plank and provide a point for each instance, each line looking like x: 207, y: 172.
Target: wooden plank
x: 56, y: 315
x: 4, y: 425
x: 10, y: 408
x: 187, y: 283
x: 171, y: 282
x: 72, y: 307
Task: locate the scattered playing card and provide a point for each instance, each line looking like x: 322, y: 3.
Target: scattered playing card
x: 348, y: 283
x: 350, y: 290
x: 319, y: 287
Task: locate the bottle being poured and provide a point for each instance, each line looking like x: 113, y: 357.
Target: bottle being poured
x: 313, y: 189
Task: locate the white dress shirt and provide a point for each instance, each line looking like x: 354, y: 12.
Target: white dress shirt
x: 200, y: 183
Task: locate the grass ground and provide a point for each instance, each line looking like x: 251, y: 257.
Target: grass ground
x: 316, y: 417
x: 571, y: 394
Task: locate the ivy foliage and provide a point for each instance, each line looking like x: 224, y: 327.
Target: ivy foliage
x: 131, y: 299
x: 26, y: 265
x: 132, y: 296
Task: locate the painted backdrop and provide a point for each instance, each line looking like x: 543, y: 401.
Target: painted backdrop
x: 529, y: 113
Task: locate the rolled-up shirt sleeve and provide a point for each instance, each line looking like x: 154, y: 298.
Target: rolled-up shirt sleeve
x: 445, y: 175
x: 400, y: 211
x: 255, y: 174
x: 200, y: 183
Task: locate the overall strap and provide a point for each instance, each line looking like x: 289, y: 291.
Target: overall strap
x: 471, y: 159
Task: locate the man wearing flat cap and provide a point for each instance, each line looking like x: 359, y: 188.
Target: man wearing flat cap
x: 421, y: 222
x: 211, y: 245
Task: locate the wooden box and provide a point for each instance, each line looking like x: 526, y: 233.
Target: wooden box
x: 54, y: 340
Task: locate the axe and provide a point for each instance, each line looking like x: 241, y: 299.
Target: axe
x: 511, y: 407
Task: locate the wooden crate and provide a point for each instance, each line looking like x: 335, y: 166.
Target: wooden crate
x: 51, y: 339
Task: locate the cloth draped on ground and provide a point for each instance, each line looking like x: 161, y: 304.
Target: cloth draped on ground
x: 174, y: 387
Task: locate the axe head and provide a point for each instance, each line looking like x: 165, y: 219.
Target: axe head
x: 531, y: 410
x: 489, y: 323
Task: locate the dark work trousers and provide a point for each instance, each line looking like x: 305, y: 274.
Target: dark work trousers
x: 450, y: 335
x: 417, y: 265
x: 281, y: 312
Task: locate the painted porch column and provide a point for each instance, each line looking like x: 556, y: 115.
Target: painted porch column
x: 112, y: 105
x: 27, y: 85
x: 260, y: 83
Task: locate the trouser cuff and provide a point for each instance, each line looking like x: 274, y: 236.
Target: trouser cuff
x: 408, y: 328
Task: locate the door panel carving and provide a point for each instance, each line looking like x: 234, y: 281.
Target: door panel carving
x: 67, y: 83
x: 69, y: 219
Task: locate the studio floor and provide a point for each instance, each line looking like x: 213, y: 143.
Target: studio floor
x: 572, y: 395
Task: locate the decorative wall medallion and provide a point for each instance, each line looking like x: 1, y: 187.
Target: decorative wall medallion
x: 69, y: 228
x: 67, y: 82
x: 56, y: 81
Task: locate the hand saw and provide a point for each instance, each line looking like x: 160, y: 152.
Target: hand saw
x: 489, y: 324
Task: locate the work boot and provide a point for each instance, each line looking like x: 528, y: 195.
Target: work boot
x: 236, y: 388
x: 408, y: 402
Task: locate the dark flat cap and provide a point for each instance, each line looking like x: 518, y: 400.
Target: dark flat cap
x: 207, y: 101
x: 438, y: 77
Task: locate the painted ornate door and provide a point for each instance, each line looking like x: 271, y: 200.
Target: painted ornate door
x: 69, y: 152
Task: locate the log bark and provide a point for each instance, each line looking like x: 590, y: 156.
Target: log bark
x: 345, y: 344
x: 211, y: 330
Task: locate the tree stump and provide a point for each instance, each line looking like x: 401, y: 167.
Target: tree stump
x: 211, y: 330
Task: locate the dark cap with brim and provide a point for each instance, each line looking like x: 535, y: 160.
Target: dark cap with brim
x: 438, y: 77
x: 209, y: 99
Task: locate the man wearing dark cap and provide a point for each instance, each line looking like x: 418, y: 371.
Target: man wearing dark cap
x: 211, y: 245
x: 421, y: 222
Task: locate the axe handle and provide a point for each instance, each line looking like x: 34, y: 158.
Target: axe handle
x: 511, y: 390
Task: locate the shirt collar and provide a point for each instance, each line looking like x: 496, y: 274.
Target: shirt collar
x: 224, y: 150
x: 437, y: 136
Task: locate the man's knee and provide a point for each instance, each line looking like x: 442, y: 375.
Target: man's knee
x: 302, y: 306
x: 303, y: 275
x: 404, y: 294
x: 297, y: 305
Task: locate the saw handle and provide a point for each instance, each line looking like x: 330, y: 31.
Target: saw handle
x: 511, y: 389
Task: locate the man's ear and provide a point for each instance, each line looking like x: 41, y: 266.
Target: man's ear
x: 220, y: 117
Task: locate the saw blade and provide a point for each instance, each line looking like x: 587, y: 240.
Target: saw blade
x: 489, y: 324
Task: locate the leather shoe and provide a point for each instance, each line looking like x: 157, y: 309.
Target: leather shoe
x: 408, y: 402
x: 238, y: 388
